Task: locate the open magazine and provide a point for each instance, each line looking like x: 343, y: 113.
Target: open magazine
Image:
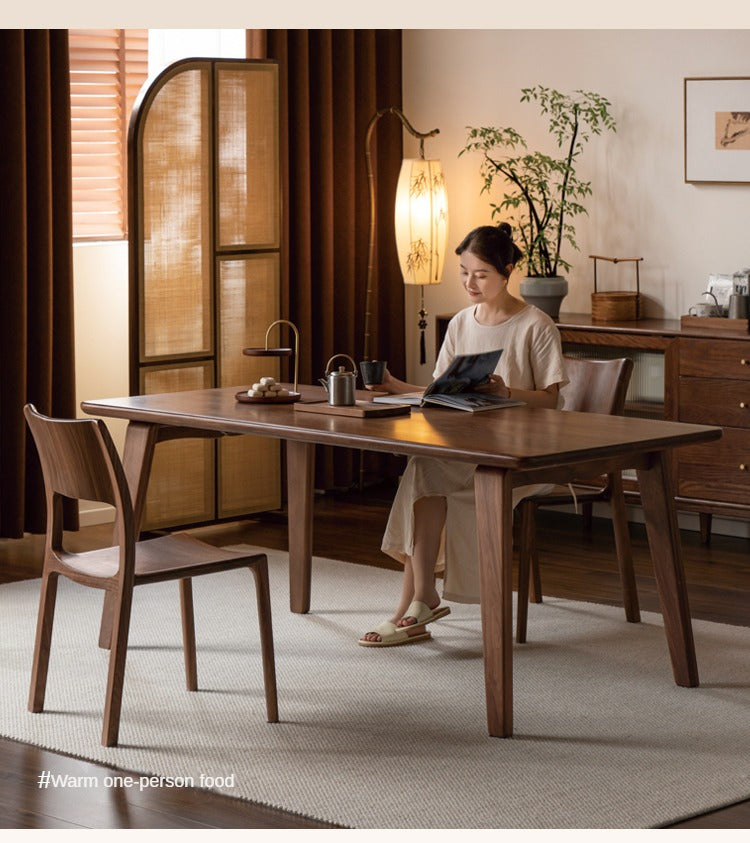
x: 455, y: 387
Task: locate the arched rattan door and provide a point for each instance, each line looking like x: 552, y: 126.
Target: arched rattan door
x: 204, y: 212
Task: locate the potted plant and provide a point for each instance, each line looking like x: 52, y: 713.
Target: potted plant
x: 543, y: 193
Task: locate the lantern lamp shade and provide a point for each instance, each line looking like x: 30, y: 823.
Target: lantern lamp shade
x: 421, y: 221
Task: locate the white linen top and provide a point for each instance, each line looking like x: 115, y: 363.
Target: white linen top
x: 532, y: 350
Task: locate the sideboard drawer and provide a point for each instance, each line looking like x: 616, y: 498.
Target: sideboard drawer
x: 717, y: 470
x: 716, y: 401
x: 715, y: 358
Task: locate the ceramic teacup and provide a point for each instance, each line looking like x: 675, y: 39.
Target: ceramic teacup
x: 373, y: 371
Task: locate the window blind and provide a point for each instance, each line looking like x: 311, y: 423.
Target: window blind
x: 107, y: 69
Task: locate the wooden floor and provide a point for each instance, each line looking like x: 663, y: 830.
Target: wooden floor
x: 576, y: 565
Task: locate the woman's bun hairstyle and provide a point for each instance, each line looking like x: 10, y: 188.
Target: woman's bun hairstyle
x: 492, y: 244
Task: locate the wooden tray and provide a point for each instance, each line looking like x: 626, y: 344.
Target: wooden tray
x: 362, y: 409
x: 715, y: 323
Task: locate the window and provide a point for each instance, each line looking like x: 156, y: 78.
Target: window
x: 107, y: 69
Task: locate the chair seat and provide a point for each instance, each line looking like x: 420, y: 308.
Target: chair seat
x: 163, y: 558
x: 560, y: 495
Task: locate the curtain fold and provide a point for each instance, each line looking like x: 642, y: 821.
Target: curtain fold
x: 36, y: 284
x: 332, y: 82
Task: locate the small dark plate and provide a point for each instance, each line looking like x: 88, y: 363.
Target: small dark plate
x: 267, y: 352
x: 244, y: 398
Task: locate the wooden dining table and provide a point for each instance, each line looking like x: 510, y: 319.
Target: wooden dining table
x: 511, y: 447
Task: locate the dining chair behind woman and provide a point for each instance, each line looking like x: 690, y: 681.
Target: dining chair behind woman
x: 596, y: 386
x: 79, y: 461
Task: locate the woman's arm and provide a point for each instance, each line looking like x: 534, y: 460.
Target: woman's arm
x: 445, y: 355
x: 393, y: 385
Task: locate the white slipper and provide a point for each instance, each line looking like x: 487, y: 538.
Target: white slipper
x: 423, y: 614
x: 393, y: 636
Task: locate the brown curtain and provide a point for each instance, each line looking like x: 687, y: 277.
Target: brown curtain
x: 36, y: 282
x: 332, y: 82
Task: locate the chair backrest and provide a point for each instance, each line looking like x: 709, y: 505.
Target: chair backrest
x: 597, y: 386
x: 79, y: 460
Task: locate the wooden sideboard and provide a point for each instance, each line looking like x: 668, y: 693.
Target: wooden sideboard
x: 699, y: 375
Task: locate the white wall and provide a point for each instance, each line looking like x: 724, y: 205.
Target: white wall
x: 640, y: 204
x: 100, y: 273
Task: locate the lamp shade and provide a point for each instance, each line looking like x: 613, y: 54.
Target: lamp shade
x: 421, y: 220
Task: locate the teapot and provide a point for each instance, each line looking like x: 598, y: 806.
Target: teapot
x: 705, y: 308
x: 340, y: 385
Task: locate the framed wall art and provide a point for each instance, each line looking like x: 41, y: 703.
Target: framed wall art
x: 717, y: 130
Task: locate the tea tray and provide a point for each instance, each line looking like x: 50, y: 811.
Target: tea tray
x: 715, y: 323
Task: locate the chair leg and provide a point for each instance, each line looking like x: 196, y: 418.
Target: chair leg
x: 536, y: 577
x: 528, y: 541
x: 188, y: 634
x: 526, y: 511
x: 105, y: 625
x: 624, y: 551
x: 117, y: 656
x: 43, y: 642
x: 263, y: 596
x: 587, y: 513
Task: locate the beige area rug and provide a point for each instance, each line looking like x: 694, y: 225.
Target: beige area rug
x: 396, y: 738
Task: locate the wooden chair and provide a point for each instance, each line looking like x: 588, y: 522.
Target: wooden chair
x: 596, y: 386
x: 79, y: 461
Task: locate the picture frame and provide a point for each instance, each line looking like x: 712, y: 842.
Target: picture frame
x: 717, y: 130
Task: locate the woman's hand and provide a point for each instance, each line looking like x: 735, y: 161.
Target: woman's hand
x: 393, y: 386
x: 495, y: 386
x: 388, y: 384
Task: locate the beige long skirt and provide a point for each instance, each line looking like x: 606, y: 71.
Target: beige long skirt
x: 427, y: 477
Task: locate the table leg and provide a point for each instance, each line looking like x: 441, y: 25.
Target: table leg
x: 138, y: 455
x: 664, y: 541
x: 300, y: 462
x: 494, y: 504
x: 137, y: 459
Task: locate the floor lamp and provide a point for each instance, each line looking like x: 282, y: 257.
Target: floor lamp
x: 421, y: 222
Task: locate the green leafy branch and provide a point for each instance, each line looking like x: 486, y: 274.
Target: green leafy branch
x: 543, y: 193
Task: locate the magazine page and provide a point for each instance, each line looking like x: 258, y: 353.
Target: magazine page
x: 414, y: 399
x: 465, y: 372
x: 471, y: 401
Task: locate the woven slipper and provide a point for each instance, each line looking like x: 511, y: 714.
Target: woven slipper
x: 423, y: 614
x: 393, y: 636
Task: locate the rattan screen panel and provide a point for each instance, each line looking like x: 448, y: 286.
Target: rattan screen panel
x: 204, y: 190
x: 248, y: 304
x: 175, y: 180
x: 181, y: 485
x: 249, y: 467
x: 248, y: 150
x: 249, y: 475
